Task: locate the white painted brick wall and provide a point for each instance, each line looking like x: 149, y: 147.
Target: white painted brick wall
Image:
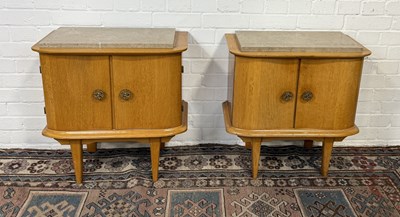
x: 373, y: 8
x: 252, y: 6
x: 209, y: 6
x: 127, y: 5
x: 393, y: 8
x: 349, y: 7
x: 323, y: 7
x: 167, y: 19
x: 228, y: 5
x: 374, y: 23
x: 179, y: 5
x: 276, y: 7
x: 300, y: 6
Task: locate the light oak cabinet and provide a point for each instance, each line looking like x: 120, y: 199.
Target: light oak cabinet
x: 123, y: 90
x: 293, y: 85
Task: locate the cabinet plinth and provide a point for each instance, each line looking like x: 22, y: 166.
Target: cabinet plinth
x: 113, y: 89
x: 303, y: 92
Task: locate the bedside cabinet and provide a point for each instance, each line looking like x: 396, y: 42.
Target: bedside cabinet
x: 113, y: 84
x: 293, y: 86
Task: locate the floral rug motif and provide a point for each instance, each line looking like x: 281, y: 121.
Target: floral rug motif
x: 205, y: 180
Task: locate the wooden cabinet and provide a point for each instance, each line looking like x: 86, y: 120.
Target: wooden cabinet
x: 105, y: 84
x: 293, y: 85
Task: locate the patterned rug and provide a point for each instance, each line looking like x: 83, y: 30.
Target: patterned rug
x: 202, y: 181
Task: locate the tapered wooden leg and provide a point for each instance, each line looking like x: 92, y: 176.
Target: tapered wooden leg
x: 248, y: 145
x: 255, y: 155
x: 91, y: 147
x: 326, y: 155
x: 162, y: 145
x: 155, y: 144
x: 308, y: 143
x: 77, y: 158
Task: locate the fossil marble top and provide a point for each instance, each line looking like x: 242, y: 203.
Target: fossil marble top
x: 296, y: 41
x: 100, y: 37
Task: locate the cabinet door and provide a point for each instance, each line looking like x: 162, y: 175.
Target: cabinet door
x: 69, y: 83
x: 334, y: 85
x: 154, y: 82
x: 259, y: 88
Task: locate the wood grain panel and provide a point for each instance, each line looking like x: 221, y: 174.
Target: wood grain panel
x: 155, y: 81
x: 258, y: 86
x: 334, y: 84
x: 121, y: 135
x: 68, y: 83
x: 284, y: 134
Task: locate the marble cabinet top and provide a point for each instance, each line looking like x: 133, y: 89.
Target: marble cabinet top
x: 296, y: 41
x: 100, y: 37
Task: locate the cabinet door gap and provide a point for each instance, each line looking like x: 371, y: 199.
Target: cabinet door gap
x: 112, y: 91
x: 297, y: 93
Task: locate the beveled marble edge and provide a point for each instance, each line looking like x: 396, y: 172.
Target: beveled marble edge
x: 106, y: 45
x: 301, y: 49
x: 82, y: 37
x: 274, y: 41
x: 233, y: 46
x: 180, y: 45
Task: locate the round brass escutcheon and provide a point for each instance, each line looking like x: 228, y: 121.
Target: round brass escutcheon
x: 307, y: 96
x: 125, y: 94
x: 99, y: 94
x: 287, y: 96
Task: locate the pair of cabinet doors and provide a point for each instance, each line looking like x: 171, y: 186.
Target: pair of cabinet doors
x: 112, y: 92
x: 295, y: 93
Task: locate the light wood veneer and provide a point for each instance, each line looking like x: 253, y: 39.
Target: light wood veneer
x: 292, y: 93
x: 113, y: 94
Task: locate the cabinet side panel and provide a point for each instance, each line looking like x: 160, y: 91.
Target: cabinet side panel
x: 155, y: 82
x: 334, y: 84
x: 231, y: 70
x: 258, y: 86
x: 68, y: 84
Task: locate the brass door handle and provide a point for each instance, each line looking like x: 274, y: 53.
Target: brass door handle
x: 307, y: 96
x: 125, y: 94
x: 99, y: 94
x: 287, y: 96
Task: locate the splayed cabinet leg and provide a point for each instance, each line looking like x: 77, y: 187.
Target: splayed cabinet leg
x: 77, y: 158
x: 248, y: 145
x: 155, y: 144
x: 326, y: 155
x: 255, y: 155
x: 91, y: 147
